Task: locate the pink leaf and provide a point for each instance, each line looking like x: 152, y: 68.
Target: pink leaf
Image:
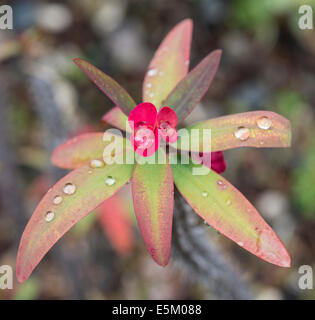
x: 169, y: 64
x: 258, y: 129
x: 67, y: 202
x: 116, y: 118
x: 187, y: 94
x: 153, y: 198
x: 227, y: 210
x: 79, y: 150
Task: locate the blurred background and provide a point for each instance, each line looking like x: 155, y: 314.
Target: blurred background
x: 268, y: 64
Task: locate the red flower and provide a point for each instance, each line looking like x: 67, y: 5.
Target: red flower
x: 149, y: 126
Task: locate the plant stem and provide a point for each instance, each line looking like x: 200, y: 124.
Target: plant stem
x: 201, y: 258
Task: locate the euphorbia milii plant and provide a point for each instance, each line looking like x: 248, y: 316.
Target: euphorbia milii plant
x: 170, y: 93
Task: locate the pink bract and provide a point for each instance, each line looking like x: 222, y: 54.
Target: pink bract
x: 148, y: 126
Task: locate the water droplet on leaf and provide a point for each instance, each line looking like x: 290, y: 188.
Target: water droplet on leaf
x: 204, y: 194
x: 69, y: 188
x: 153, y: 72
x: 110, y: 181
x: 264, y: 123
x: 49, y: 216
x: 96, y: 164
x: 221, y: 185
x: 57, y: 200
x: 242, y: 133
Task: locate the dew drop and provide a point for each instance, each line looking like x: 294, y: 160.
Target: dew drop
x: 110, y: 180
x: 221, y: 185
x: 90, y: 171
x: 187, y: 62
x: 264, y: 123
x: 228, y: 202
x: 69, y: 188
x: 49, y: 216
x: 153, y: 72
x: 97, y: 163
x: 57, y: 200
x: 161, y: 73
x: 151, y: 95
x: 242, y: 133
x: 204, y: 194
x: 149, y: 85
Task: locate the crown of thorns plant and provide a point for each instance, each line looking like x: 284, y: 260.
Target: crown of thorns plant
x: 170, y: 93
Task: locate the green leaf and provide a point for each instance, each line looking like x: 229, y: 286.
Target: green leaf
x: 222, y: 206
x: 169, y: 64
x: 110, y: 87
x: 187, y: 94
x: 51, y: 219
x: 84, y: 225
x: 153, y: 199
x: 258, y: 129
